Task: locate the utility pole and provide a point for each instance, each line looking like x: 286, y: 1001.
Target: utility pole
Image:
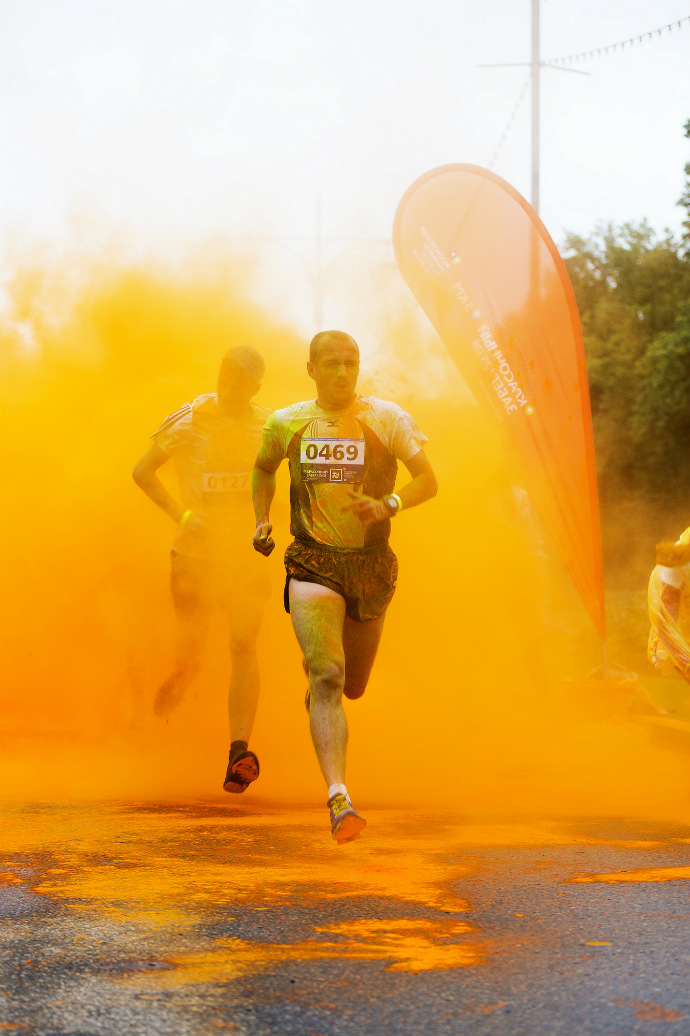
x: 535, y: 66
x: 535, y: 69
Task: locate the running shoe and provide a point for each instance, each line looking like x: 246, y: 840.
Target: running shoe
x: 346, y: 823
x: 243, y: 768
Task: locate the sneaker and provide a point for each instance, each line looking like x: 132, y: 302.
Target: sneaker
x: 346, y: 823
x: 243, y: 768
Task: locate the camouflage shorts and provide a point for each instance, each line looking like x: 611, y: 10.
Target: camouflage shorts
x: 364, y: 576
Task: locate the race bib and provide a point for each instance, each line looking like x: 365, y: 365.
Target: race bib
x: 224, y: 487
x: 332, y: 460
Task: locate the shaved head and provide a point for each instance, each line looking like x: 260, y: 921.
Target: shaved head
x: 245, y: 361
x: 329, y: 337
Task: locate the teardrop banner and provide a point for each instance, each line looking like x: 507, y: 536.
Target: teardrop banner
x: 490, y: 279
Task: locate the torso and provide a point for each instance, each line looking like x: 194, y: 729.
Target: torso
x: 213, y: 456
x: 331, y: 453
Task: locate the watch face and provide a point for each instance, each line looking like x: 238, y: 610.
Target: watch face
x: 392, y: 503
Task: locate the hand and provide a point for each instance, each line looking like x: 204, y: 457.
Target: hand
x: 195, y: 524
x: 262, y: 539
x: 368, y: 510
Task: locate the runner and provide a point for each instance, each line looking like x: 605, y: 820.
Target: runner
x: 341, y: 574
x: 212, y: 442
x: 669, y: 609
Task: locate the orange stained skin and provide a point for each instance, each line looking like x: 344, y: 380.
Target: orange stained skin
x: 339, y: 655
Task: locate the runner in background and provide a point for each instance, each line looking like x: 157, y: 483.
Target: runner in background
x: 668, y: 600
x: 343, y: 452
x: 212, y: 442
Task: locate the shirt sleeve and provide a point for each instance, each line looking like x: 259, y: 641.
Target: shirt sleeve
x: 175, y: 431
x: 273, y: 441
x: 407, y: 440
x: 672, y: 577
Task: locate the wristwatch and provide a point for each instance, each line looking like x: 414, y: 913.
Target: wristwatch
x: 393, y: 503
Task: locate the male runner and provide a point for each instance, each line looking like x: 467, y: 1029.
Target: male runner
x: 669, y: 609
x: 342, y: 451
x: 213, y: 441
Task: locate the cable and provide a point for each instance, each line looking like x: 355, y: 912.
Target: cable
x: 510, y: 122
x: 601, y: 51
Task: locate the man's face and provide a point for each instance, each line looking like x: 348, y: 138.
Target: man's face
x: 236, y: 388
x: 335, y: 370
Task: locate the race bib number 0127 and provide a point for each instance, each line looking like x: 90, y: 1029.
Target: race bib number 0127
x: 332, y: 460
x: 224, y: 487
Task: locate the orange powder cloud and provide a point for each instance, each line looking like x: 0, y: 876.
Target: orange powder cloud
x: 467, y: 705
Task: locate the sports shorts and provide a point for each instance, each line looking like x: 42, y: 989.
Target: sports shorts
x: 365, y: 576
x: 198, y: 583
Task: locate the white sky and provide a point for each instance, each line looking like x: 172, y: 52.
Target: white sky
x: 167, y: 122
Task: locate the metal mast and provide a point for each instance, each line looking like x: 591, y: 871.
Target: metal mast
x: 535, y: 68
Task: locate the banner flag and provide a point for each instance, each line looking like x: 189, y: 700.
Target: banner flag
x: 490, y: 279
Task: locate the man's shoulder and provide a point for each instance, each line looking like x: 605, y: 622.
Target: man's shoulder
x: 382, y: 408
x: 204, y: 404
x: 260, y: 414
x: 286, y: 415
x: 177, y: 420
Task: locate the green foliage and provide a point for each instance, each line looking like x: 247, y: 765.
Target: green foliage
x: 632, y: 292
x: 661, y: 417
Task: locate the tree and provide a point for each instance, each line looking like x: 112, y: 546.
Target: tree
x: 631, y: 288
x: 661, y: 417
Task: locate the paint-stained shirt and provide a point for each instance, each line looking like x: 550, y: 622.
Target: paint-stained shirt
x: 213, y: 456
x: 331, y: 452
x: 669, y: 638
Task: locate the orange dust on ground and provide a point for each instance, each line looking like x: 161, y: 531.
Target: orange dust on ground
x: 473, y: 697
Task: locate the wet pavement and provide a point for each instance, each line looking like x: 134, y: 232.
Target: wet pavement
x: 210, y: 916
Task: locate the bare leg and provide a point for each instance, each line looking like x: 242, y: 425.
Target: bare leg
x: 190, y: 637
x: 317, y: 616
x: 360, y: 642
x: 243, y: 694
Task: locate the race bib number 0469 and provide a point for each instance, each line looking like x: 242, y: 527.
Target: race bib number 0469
x: 332, y: 460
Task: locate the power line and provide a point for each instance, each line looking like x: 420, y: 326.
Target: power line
x: 510, y: 122
x: 613, y: 47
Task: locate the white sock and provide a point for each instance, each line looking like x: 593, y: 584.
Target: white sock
x: 337, y: 789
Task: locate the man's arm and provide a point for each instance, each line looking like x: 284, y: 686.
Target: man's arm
x: 145, y: 476
x: 263, y: 491
x: 422, y: 487
x: 670, y: 633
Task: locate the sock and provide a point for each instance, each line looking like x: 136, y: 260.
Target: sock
x: 337, y: 789
x: 238, y: 747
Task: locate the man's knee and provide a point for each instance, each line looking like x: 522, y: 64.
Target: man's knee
x: 242, y: 649
x: 326, y: 678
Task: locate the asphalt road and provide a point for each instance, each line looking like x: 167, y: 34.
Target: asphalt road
x: 209, y: 917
